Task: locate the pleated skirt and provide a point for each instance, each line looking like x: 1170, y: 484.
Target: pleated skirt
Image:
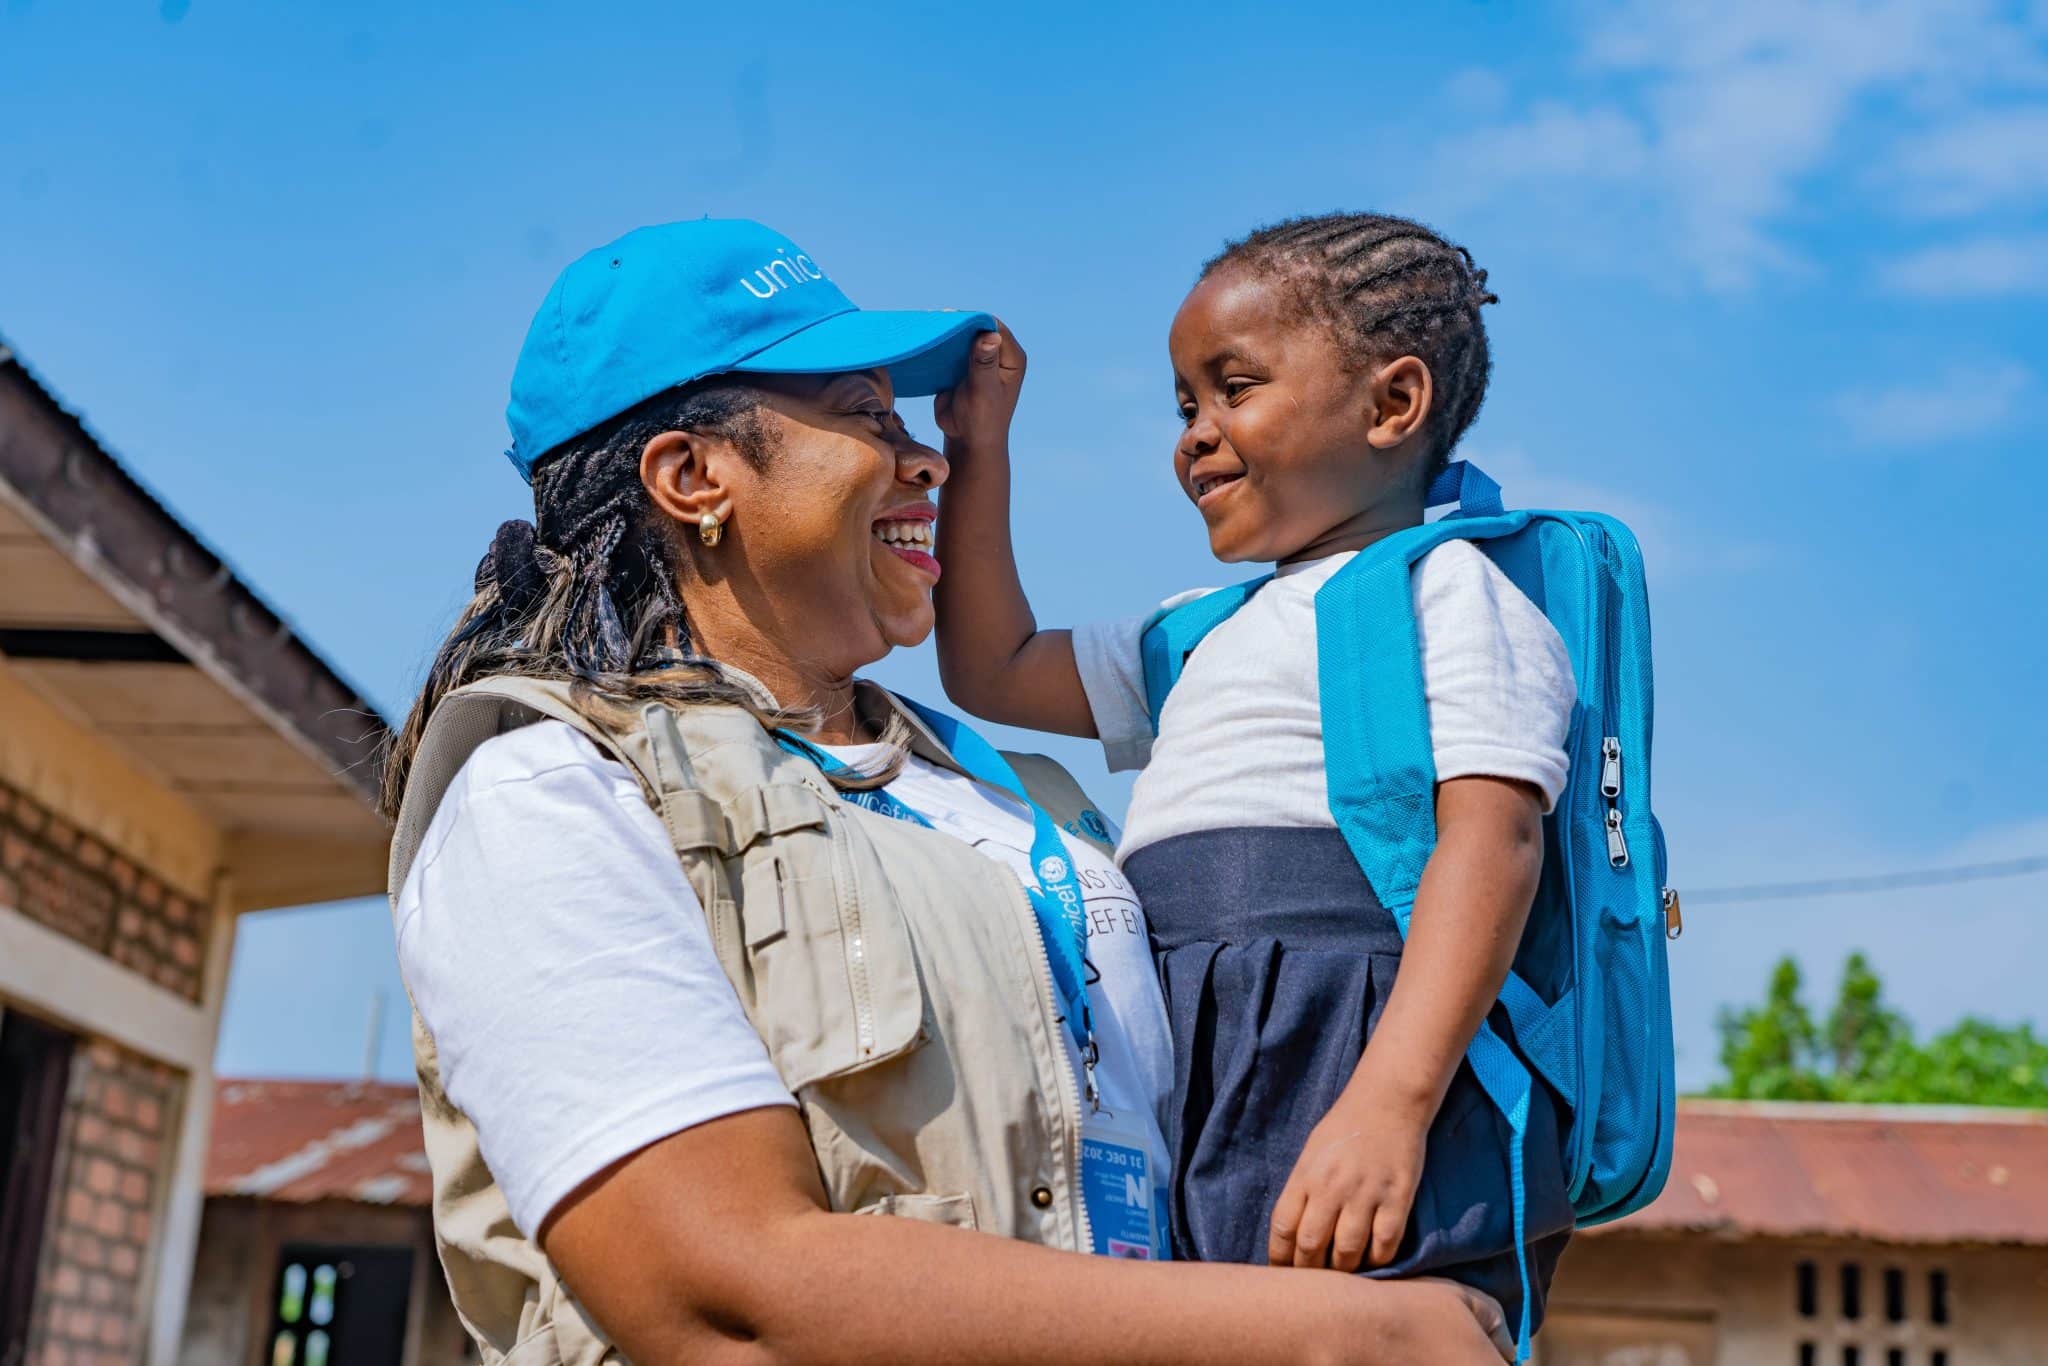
x: 1277, y: 959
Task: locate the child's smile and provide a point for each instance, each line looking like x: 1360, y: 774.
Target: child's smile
x: 1289, y: 452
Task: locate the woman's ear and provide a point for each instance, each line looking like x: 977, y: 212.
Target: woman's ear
x: 1402, y: 395
x: 685, y: 476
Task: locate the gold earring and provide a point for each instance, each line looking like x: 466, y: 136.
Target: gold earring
x: 709, y: 528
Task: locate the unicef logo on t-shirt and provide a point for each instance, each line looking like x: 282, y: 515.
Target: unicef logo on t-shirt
x: 1052, y: 868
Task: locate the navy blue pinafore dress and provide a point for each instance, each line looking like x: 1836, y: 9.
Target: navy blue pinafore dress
x: 1277, y: 959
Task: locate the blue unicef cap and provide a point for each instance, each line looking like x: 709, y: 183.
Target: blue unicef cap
x: 666, y: 305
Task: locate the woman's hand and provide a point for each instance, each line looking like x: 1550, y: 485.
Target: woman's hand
x: 976, y: 412
x: 1453, y: 1322
x: 715, y: 1245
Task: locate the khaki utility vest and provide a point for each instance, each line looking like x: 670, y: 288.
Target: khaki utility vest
x: 896, y: 975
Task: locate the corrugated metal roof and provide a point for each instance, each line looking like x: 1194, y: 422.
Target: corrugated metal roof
x: 119, y: 534
x: 1887, y: 1173
x: 301, y: 1141
x: 1894, y: 1174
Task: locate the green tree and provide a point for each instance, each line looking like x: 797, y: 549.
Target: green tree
x: 1769, y: 1051
x: 1865, y: 1051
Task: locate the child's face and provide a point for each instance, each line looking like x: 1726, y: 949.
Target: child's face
x: 1289, y: 452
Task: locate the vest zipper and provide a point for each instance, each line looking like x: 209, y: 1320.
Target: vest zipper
x: 1070, y: 1089
x: 856, y: 942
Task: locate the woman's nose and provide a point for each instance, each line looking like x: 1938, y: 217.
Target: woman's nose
x: 919, y: 464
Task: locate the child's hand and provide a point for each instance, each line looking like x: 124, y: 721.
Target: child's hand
x: 976, y: 411
x: 1347, y: 1201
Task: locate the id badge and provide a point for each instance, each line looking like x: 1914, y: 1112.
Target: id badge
x: 1116, y: 1186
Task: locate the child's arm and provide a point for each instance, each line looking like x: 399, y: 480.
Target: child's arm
x: 1349, y: 1195
x: 993, y: 659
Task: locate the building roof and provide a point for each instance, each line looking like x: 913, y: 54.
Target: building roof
x: 1884, y: 1173
x: 301, y: 1141
x: 122, y: 618
x: 1892, y: 1174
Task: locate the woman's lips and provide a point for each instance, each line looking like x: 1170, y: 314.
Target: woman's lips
x: 927, y: 563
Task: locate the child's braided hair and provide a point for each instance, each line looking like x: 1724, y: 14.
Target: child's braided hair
x: 1386, y: 287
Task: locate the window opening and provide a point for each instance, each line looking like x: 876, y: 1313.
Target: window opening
x: 1852, y: 1291
x: 340, y: 1305
x: 1809, y: 1290
x: 35, y: 1075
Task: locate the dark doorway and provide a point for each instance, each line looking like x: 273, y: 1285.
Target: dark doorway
x: 339, y: 1305
x: 35, y: 1072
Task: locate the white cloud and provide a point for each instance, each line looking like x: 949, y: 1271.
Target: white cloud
x: 1980, y: 162
x: 1943, y: 406
x: 1721, y: 113
x: 1555, y: 140
x: 1673, y: 546
x: 1477, y: 90
x: 1984, y: 266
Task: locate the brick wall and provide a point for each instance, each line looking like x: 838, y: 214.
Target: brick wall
x: 57, y: 875
x: 119, y: 1124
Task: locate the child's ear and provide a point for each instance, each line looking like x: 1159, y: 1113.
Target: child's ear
x: 1401, y: 394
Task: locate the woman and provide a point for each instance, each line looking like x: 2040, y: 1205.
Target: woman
x: 715, y: 949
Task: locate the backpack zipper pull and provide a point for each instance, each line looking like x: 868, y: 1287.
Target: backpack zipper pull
x: 1617, y: 844
x: 1674, y: 923
x: 1610, y: 767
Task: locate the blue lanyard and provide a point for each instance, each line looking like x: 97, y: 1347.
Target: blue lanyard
x: 1055, y: 897
x: 873, y: 799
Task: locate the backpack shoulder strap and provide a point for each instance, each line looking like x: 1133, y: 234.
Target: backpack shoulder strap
x: 1378, y: 764
x: 1174, y: 633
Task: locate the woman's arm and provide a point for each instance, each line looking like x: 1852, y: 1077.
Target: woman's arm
x: 993, y: 659
x: 715, y: 1246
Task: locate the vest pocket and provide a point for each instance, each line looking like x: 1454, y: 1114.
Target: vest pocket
x: 957, y: 1210
x: 835, y: 978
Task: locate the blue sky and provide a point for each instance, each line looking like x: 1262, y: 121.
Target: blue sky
x: 1772, y: 280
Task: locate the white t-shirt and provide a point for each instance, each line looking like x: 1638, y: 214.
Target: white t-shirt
x: 1241, y: 735
x: 562, y: 963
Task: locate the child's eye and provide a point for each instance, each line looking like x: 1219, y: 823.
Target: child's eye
x: 1234, y: 389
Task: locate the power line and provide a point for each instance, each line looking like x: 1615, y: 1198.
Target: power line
x: 1882, y: 882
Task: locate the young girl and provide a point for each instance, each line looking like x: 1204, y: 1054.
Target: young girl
x: 1321, y: 1115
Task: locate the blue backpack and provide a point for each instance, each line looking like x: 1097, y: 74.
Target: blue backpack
x: 1589, y: 997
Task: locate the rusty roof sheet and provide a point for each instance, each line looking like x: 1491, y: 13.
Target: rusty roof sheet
x: 1894, y: 1174
x: 301, y: 1141
x: 1884, y: 1173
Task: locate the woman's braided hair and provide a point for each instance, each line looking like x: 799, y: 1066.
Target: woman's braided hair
x: 1386, y: 287
x: 586, y: 592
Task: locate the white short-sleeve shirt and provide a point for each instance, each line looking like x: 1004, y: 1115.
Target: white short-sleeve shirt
x: 561, y: 961
x: 1240, y: 738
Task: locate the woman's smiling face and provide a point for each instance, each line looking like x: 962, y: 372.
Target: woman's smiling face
x: 834, y: 528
